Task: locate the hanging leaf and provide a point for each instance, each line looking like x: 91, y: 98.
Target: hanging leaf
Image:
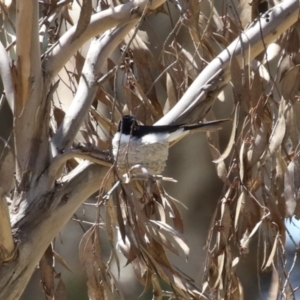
x: 84, y: 19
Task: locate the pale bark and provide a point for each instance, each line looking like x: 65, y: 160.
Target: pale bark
x: 37, y: 224
x: 40, y: 208
x: 118, y: 16
x: 99, y: 50
x: 200, y: 95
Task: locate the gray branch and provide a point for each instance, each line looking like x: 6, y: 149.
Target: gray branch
x: 199, y: 97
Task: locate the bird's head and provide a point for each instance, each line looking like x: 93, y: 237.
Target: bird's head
x: 127, y: 124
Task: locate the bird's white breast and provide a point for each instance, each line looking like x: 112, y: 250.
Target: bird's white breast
x: 151, y: 151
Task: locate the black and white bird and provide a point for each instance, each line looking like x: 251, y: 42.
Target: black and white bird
x: 148, y: 146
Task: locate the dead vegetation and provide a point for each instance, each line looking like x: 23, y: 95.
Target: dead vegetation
x: 57, y: 155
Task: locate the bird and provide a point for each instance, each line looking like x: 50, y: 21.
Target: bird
x: 148, y: 146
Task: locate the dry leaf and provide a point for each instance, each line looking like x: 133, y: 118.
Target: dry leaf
x: 61, y: 261
x: 60, y: 291
x: 47, y: 272
x: 171, y: 92
x: 290, y: 84
x: 277, y: 135
x: 84, y: 19
x: 238, y: 209
x: 232, y: 136
x: 274, y: 287
x: 292, y: 185
x: 173, y: 235
x: 7, y: 169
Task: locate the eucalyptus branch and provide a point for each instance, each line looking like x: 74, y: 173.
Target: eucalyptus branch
x: 29, y: 86
x: 87, y: 153
x: 198, y: 99
x: 28, y: 50
x: 120, y: 15
x: 44, y: 219
x: 99, y: 50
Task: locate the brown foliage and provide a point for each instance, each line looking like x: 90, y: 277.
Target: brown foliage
x: 146, y: 76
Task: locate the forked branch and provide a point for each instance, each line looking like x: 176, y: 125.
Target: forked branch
x: 199, y: 97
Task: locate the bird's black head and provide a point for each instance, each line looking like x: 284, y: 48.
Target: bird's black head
x: 127, y: 125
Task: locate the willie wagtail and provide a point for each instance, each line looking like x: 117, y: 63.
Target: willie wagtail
x: 148, y: 146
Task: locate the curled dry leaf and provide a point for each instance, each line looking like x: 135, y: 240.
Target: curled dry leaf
x: 141, y: 272
x: 281, y: 168
x: 60, y: 291
x: 160, y: 212
x: 240, y: 82
x: 273, y: 51
x: 110, y: 231
x: 241, y: 162
x: 84, y: 19
x: 163, y: 239
x: 247, y: 236
x: 100, y: 282
x: 171, y: 92
x: 274, y: 287
x: 258, y: 146
x: 220, y: 166
x: 213, y: 142
x: 290, y: 84
x: 224, y: 225
x: 103, y: 121
x: 79, y: 61
x: 240, y: 203
x: 292, y: 123
x: 169, y: 204
x: 47, y: 272
x: 237, y: 292
x: 176, y: 216
x: 61, y: 261
x: 127, y: 250
x: 231, y: 142
x: 7, y: 168
x: 292, y: 185
x: 182, y: 286
x: 270, y: 260
x: 65, y: 14
x: 277, y: 134
x: 59, y: 115
x: 220, y: 268
x: 173, y: 235
x: 286, y: 64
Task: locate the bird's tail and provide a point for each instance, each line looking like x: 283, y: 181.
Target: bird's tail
x: 206, y: 126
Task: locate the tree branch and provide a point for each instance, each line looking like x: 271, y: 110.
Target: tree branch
x: 117, y: 16
x: 88, y: 86
x: 199, y: 97
x: 29, y: 84
x: 92, y: 155
x: 41, y: 222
